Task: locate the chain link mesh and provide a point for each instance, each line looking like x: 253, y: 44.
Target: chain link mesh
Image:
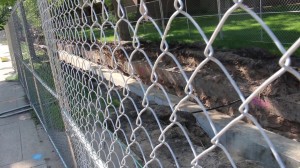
x: 102, y: 95
x: 31, y: 62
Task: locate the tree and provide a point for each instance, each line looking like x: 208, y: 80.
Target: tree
x: 5, y: 8
x: 123, y: 27
x: 32, y: 13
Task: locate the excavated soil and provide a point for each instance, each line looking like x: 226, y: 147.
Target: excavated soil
x: 154, y: 119
x: 174, y: 137
x: 276, y: 108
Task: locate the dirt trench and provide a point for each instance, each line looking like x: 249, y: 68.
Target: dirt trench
x: 154, y: 119
x: 175, y: 139
x: 276, y: 108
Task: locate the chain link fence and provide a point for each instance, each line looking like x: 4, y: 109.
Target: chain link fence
x: 2, y: 36
x: 110, y: 92
x: 30, y: 60
x: 281, y: 16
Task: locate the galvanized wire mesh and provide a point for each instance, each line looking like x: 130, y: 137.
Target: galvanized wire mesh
x: 2, y: 36
x: 273, y: 12
x: 101, y: 95
x: 208, y: 13
x: 31, y: 62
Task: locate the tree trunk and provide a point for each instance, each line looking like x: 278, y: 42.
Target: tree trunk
x: 123, y: 27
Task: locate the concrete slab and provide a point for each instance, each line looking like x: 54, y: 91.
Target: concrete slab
x: 11, y: 92
x: 10, y: 145
x: 29, y: 138
x: 5, y: 70
x: 27, y: 164
x: 27, y: 143
x: 34, y: 135
x: 14, y: 119
x: 41, y: 166
x: 11, y: 96
x: 13, y: 104
x: 5, y: 84
x: 4, y: 51
x: 50, y: 156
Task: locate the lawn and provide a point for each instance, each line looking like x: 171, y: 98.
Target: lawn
x: 239, y: 31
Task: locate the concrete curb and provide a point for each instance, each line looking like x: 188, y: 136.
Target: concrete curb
x: 243, y: 140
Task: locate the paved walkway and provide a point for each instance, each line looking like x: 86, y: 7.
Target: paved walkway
x: 22, y: 143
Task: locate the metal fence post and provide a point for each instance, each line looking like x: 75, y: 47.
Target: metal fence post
x: 16, y: 51
x: 220, y: 17
x: 162, y: 15
x: 260, y: 14
x: 187, y: 20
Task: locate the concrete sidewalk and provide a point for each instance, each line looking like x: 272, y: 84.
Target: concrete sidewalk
x: 22, y: 143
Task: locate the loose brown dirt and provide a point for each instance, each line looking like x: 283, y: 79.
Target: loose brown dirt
x: 276, y: 108
x: 175, y: 139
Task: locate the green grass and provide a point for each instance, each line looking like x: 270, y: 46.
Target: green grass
x: 106, y: 36
x: 12, y: 78
x: 239, y: 31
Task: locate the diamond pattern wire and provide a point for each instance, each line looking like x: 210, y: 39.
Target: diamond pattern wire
x: 113, y: 117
